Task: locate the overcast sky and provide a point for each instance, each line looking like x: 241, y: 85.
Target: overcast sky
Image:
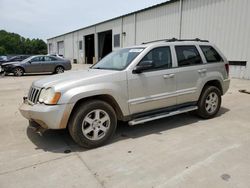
x: 47, y: 18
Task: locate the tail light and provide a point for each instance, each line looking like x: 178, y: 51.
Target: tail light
x: 227, y: 68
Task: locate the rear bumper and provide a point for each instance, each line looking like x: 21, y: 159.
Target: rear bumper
x: 48, y: 117
x: 225, y: 86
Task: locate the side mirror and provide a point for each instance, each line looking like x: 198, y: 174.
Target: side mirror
x: 29, y: 62
x: 144, y: 65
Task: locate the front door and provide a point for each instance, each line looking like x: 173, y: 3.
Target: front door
x: 155, y: 88
x: 34, y: 65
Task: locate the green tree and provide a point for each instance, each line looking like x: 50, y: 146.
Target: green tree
x: 2, y: 50
x: 16, y: 44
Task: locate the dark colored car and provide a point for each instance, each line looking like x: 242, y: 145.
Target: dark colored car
x: 14, y: 59
x: 3, y: 59
x: 37, y: 64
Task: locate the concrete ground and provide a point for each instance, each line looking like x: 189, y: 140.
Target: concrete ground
x: 181, y: 151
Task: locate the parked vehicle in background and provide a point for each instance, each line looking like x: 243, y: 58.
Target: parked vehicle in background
x: 137, y: 84
x: 3, y: 59
x: 37, y: 64
x: 15, y: 58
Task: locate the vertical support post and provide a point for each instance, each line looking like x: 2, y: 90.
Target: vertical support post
x: 180, y: 17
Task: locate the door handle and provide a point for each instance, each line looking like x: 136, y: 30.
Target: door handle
x: 202, y: 71
x: 166, y: 76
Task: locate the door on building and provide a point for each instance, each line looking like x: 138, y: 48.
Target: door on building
x: 89, y: 41
x: 104, y: 43
x: 60, y: 48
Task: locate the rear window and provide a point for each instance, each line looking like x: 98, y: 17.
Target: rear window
x: 211, y: 54
x: 187, y: 56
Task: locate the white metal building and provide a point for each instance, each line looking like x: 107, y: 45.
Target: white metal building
x: 223, y: 22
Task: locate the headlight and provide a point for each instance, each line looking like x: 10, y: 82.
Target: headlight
x: 49, y: 96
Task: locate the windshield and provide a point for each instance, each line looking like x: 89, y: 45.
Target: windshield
x: 118, y: 60
x: 27, y: 59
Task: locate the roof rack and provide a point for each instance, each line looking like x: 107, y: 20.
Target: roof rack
x: 176, y: 40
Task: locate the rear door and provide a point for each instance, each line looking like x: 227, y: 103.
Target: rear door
x: 190, y: 73
x: 49, y: 64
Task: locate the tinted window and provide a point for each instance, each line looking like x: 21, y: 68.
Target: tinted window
x: 187, y: 55
x: 161, y: 58
x: 49, y: 58
x: 211, y: 54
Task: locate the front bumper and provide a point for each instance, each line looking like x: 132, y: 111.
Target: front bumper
x: 47, y: 116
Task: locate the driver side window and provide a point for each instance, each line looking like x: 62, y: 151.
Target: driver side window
x: 160, y: 57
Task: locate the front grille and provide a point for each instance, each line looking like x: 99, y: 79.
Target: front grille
x: 33, y: 94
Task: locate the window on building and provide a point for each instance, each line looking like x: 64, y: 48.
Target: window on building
x: 211, y: 54
x: 117, y: 40
x: 80, y: 45
x: 187, y: 56
x: 161, y: 58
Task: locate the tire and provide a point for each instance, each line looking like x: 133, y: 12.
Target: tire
x: 18, y: 71
x: 209, y: 102
x: 89, y: 131
x: 59, y: 70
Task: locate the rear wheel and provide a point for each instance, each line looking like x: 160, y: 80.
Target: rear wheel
x: 59, y: 70
x: 18, y: 71
x: 209, y: 102
x: 93, y: 124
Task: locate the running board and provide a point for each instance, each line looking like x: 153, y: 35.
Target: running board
x: 161, y: 115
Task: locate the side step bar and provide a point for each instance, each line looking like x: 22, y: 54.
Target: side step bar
x: 161, y: 115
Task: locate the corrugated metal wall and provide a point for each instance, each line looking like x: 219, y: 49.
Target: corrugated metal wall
x: 223, y: 22
x: 158, y: 23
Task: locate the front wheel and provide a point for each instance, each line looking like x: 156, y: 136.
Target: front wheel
x: 209, y: 102
x: 93, y: 124
x: 18, y: 71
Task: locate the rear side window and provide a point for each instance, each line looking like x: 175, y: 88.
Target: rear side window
x: 40, y: 58
x: 211, y: 54
x: 187, y: 56
x: 161, y: 58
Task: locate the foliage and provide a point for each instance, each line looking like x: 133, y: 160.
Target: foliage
x: 12, y: 43
x: 2, y: 50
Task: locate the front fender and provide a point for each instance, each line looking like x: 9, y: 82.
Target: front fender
x: 118, y: 92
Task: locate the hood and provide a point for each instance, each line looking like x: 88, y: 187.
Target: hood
x: 12, y: 63
x: 74, y: 78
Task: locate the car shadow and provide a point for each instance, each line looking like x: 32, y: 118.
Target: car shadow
x: 59, y: 141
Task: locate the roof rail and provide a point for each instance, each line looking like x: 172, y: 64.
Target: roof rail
x: 155, y: 41
x: 176, y: 40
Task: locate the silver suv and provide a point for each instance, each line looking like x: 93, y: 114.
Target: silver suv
x: 137, y: 84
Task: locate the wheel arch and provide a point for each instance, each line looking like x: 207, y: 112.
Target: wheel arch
x: 104, y: 97
x: 19, y: 67
x: 215, y: 83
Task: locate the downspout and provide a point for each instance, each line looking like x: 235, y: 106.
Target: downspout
x: 180, y: 16
x: 135, y: 28
x: 122, y: 34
